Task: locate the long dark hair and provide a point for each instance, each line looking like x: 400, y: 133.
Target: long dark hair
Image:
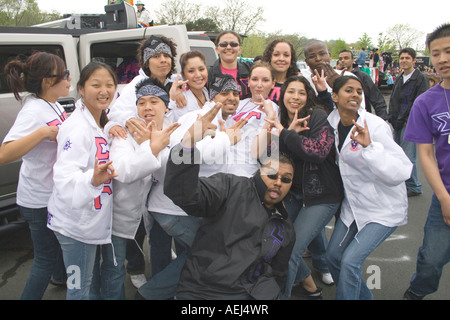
x: 86, y: 73
x: 312, y: 102
x: 268, y: 51
x: 26, y: 74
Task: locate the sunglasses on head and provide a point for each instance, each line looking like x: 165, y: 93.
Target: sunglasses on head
x: 225, y: 44
x: 283, y: 179
x: 64, y: 76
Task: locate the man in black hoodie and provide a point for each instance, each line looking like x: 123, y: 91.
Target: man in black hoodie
x: 242, y: 249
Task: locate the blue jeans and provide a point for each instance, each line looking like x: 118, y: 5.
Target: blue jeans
x: 346, y: 253
x: 434, y: 252
x: 183, y: 229
x: 308, y: 226
x: 109, y: 271
x: 79, y: 259
x: 47, y: 259
x: 410, y: 149
x: 134, y: 255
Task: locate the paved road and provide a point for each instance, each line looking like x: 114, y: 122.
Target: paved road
x: 388, y: 269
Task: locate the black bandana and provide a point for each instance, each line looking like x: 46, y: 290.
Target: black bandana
x: 222, y: 83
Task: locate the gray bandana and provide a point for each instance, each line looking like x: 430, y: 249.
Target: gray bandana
x: 223, y: 83
x: 152, y: 90
x: 156, y: 47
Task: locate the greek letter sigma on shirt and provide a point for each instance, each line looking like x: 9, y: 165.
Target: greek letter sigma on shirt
x: 102, y: 156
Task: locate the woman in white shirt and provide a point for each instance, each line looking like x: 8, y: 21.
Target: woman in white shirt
x: 373, y: 169
x: 80, y: 207
x: 195, y: 75
x: 33, y: 138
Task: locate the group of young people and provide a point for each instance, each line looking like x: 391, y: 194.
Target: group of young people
x: 241, y: 166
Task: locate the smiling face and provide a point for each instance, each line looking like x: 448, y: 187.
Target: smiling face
x: 196, y: 72
x: 98, y: 91
x: 260, y: 82
x: 295, y: 97
x: 406, y: 62
x: 160, y: 66
x: 277, y: 176
x: 281, y: 57
x: 229, y: 100
x: 151, y: 108
x: 228, y: 54
x: 349, y: 96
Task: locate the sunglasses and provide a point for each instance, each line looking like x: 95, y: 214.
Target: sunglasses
x: 65, y: 76
x: 232, y: 44
x: 275, y: 177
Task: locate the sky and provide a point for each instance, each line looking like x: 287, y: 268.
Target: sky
x: 323, y: 20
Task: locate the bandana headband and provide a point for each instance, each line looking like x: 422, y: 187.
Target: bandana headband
x: 221, y: 84
x: 156, y: 47
x: 152, y: 90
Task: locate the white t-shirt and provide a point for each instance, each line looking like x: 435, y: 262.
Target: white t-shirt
x: 36, y: 173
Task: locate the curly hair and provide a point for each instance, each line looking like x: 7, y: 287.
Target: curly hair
x: 268, y: 51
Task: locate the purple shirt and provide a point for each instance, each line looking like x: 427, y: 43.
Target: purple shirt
x: 429, y: 122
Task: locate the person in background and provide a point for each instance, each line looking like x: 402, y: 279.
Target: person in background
x: 361, y: 59
x: 143, y: 15
x: 280, y: 55
x: 80, y: 206
x: 33, y: 138
x: 426, y: 128
x: 373, y: 96
x: 410, y: 84
x: 373, y: 170
x: 228, y: 47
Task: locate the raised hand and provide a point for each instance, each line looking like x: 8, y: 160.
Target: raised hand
x: 161, y: 138
x: 330, y: 74
x: 361, y: 134
x: 319, y: 80
x: 299, y: 125
x: 202, y: 127
x: 267, y: 107
x: 176, y: 90
x: 234, y: 132
x: 139, y: 130
x: 103, y: 172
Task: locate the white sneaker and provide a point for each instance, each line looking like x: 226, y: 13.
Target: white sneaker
x: 327, y: 278
x: 138, y: 280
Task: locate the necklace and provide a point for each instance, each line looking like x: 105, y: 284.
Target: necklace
x: 60, y: 114
x: 448, y: 107
x: 198, y: 99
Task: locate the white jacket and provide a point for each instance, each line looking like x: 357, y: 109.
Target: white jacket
x: 374, y: 177
x: 134, y: 163
x: 76, y: 208
x: 192, y: 105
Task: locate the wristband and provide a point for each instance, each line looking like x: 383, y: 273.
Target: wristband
x: 186, y: 148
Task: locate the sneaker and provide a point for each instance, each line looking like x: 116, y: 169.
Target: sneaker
x: 138, y: 280
x: 305, y: 294
x: 58, y: 283
x: 409, y: 295
x: 413, y: 193
x: 327, y: 278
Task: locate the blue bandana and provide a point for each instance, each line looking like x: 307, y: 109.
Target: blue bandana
x: 152, y: 90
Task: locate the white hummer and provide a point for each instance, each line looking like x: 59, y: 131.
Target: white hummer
x: 78, y: 39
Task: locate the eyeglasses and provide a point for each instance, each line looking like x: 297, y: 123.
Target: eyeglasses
x: 232, y: 44
x: 283, y: 179
x: 65, y: 76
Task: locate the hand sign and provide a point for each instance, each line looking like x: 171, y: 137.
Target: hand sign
x: 360, y: 134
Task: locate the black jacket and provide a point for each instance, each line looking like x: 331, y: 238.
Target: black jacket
x: 403, y: 96
x: 316, y: 174
x: 242, y: 76
x: 241, y: 250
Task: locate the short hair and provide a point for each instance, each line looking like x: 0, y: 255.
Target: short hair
x: 440, y: 32
x: 345, y: 50
x: 409, y: 51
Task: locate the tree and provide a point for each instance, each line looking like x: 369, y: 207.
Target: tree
x: 339, y: 45
x: 202, y: 24
x: 405, y: 36
x: 385, y: 43
x: 364, y: 41
x: 177, y: 12
x: 23, y: 13
x: 237, y: 15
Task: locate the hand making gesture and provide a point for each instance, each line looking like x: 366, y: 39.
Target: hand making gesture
x: 103, y: 172
x: 201, y: 128
x: 234, y: 132
x: 360, y: 134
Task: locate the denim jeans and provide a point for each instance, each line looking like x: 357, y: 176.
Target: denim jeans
x: 47, y: 259
x: 410, y: 149
x: 79, y: 259
x: 134, y: 254
x: 308, y: 225
x: 434, y: 252
x: 346, y: 253
x: 109, y: 271
x: 183, y: 229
